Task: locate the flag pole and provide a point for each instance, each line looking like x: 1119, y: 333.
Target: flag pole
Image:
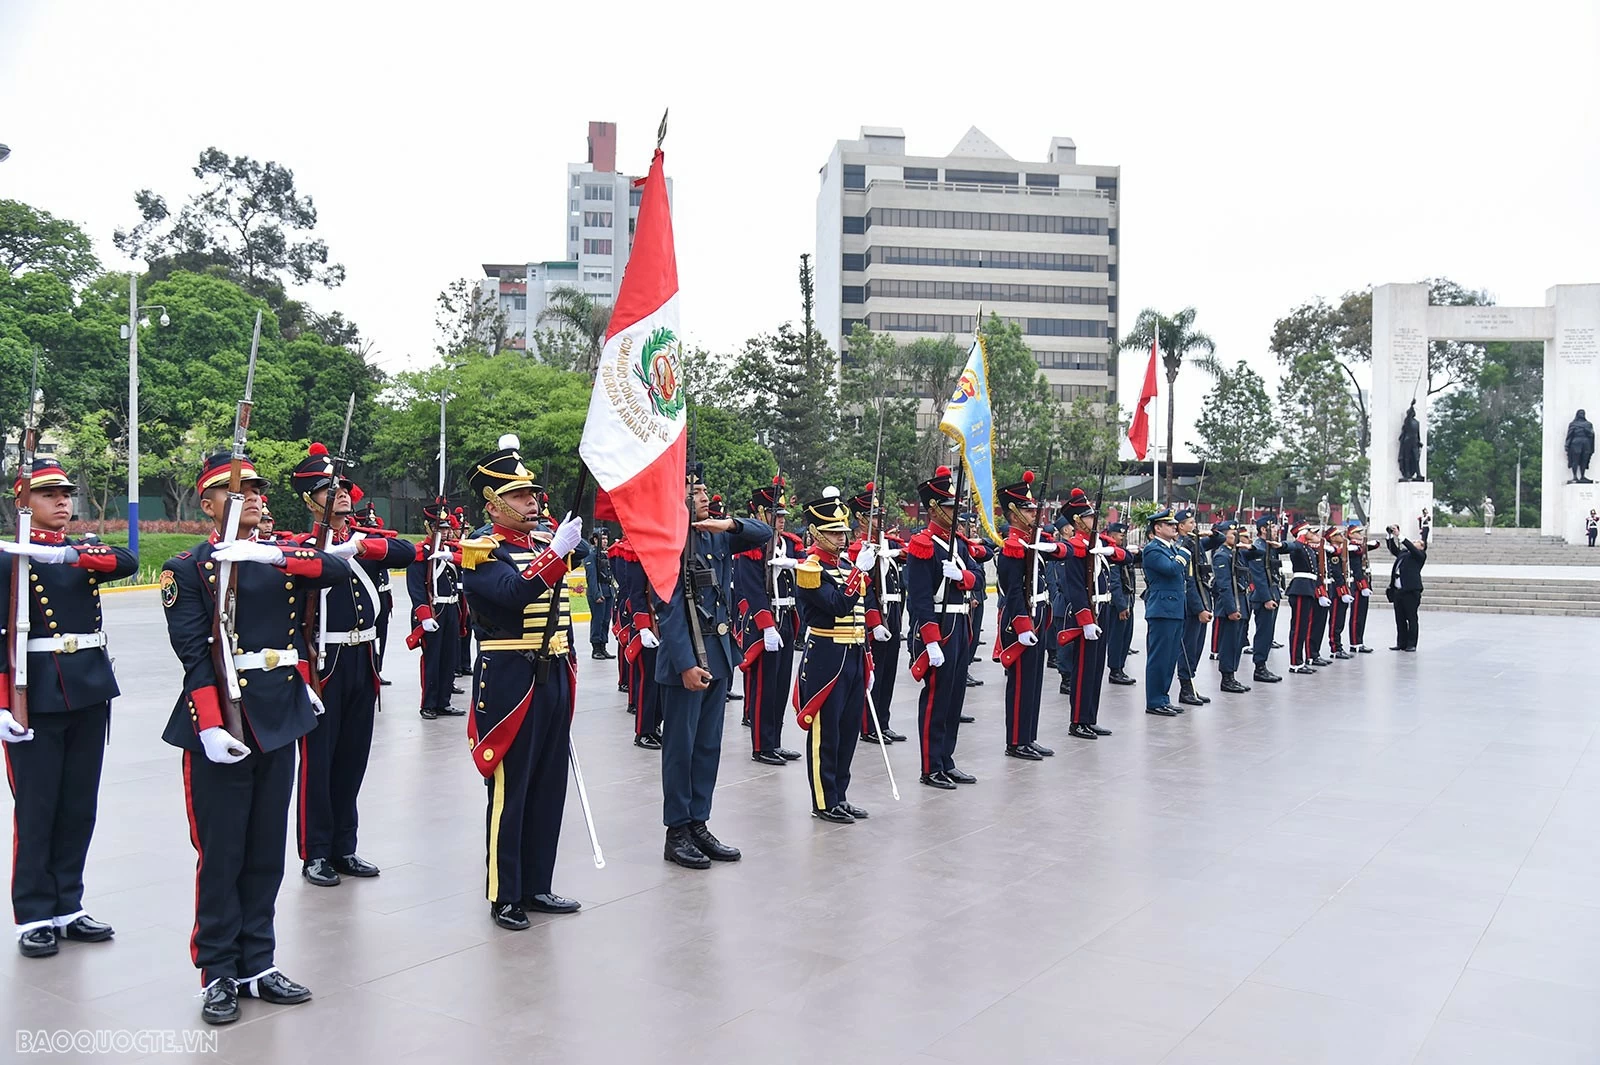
x: 1155, y: 466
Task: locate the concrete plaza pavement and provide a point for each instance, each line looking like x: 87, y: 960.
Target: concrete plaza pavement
x: 1391, y: 861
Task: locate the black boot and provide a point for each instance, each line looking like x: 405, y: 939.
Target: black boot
x: 1263, y: 675
x: 1186, y: 694
x: 1120, y: 677
x: 681, y: 850
x: 1231, y: 684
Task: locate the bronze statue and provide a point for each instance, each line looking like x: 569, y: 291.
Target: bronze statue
x: 1580, y: 449
x: 1411, y: 446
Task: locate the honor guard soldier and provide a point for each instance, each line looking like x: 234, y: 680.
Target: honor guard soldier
x: 1231, y: 586
x: 524, y: 689
x: 980, y: 552
x: 53, y: 764
x: 1265, y: 596
x: 1166, y: 574
x: 1124, y: 582
x: 464, y: 663
x: 345, y: 645
x: 433, y: 583
x: 237, y: 788
x: 1307, y: 596
x: 693, y: 696
x: 369, y: 520
x: 1335, y: 547
x: 768, y: 626
x: 633, y: 593
x: 1360, y: 575
x: 1089, y: 612
x: 831, y: 693
x: 940, y: 575
x: 1197, y: 604
x: 1025, y: 615
x: 885, y: 611
x: 602, y: 594
x: 267, y: 530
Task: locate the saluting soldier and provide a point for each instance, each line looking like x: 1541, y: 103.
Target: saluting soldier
x: 345, y: 645
x: 693, y: 696
x: 524, y: 689
x: 832, y: 688
x: 1089, y: 612
x: 1334, y: 546
x: 940, y: 575
x: 53, y: 766
x: 1197, y: 604
x: 1166, y: 573
x: 1360, y: 576
x: 1231, y: 585
x: 370, y: 520
x: 885, y: 611
x: 1265, y: 596
x: 768, y: 625
x: 1124, y: 582
x: 237, y: 788
x: 1025, y: 616
x: 1307, y: 596
x: 433, y: 581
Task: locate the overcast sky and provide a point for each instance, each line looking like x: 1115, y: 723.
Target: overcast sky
x: 1270, y: 153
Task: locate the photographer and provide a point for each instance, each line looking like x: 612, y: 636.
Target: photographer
x: 1405, y: 583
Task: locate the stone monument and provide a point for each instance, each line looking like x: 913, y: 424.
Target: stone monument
x: 1580, y: 449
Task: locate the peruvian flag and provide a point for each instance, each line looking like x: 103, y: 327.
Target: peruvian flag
x: 1139, y: 431
x: 633, y: 440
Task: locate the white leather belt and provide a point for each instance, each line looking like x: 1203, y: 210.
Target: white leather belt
x: 67, y: 644
x: 1105, y: 598
x: 439, y: 599
x: 1040, y: 597
x: 271, y: 658
x: 950, y: 608
x: 355, y: 636
x: 1297, y: 574
x: 892, y: 597
x: 783, y: 600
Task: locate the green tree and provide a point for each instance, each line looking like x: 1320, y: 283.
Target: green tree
x: 1321, y: 433
x: 1179, y: 341
x: 1237, y: 431
x: 735, y: 462
x: 1477, y: 434
x: 582, y: 318
x: 869, y: 396
x: 466, y: 319
x: 1086, y: 442
x: 95, y: 462
x: 36, y: 241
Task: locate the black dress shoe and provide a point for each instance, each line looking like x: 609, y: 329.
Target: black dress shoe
x: 967, y: 719
x: 1161, y: 711
x: 385, y: 683
x: 1320, y: 661
x: 1027, y: 754
x: 275, y: 988
x: 221, y: 1005
x: 1066, y: 686
x: 451, y: 711
x: 938, y: 780
x: 1042, y: 749
x: 1080, y: 731
x: 354, y: 865
x: 1343, y: 654
x: 1263, y: 675
x: 648, y: 741
x: 681, y: 850
x: 1097, y: 730
x: 319, y: 871
x: 735, y: 697
x: 86, y: 929
x: 1119, y: 677
x: 602, y: 654
x: 710, y: 845
x: 974, y: 682
x: 545, y: 902
x: 787, y: 755
x: 855, y: 811
x: 1189, y: 698
x: 892, y: 736
x: 1301, y: 669
x: 1364, y: 649
x: 767, y: 758
x: 428, y: 713
x: 622, y: 687
x: 1276, y: 646
x: 38, y: 942
x: 1133, y: 650
x: 509, y: 915
x: 1413, y: 650
x: 837, y: 815
x: 872, y: 738
x: 1232, y: 686
x: 960, y: 776
x: 745, y: 721
x: 457, y: 691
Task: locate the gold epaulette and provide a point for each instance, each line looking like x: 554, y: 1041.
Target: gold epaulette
x: 476, y: 551
x: 808, y: 574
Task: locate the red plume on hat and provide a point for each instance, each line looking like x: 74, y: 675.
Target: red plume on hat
x: 942, y: 471
x: 316, y: 449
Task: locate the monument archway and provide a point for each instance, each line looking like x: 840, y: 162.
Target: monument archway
x: 1402, y: 325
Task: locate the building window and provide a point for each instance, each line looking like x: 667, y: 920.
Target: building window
x: 1063, y: 327
x: 855, y: 261
x: 1113, y: 236
x: 921, y: 323
x: 635, y: 197
x: 921, y: 173
x: 986, y: 291
x: 980, y: 177
x: 855, y: 177
x: 985, y: 220
x: 1111, y: 271
x: 597, y: 192
x: 848, y: 325
x: 597, y: 218
x: 574, y: 206
x: 969, y: 259
x: 572, y: 234
x: 854, y: 223
x: 1070, y: 360
x: 854, y: 294
x: 1107, y: 185
x: 519, y: 303
x: 1111, y: 304
x: 1044, y: 181
x: 1068, y: 393
x: 597, y: 247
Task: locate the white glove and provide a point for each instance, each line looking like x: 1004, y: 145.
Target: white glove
x: 867, y: 557
x: 316, y: 703
x: 1347, y: 599
x: 568, y: 535
x: 1091, y: 631
x: 1041, y: 545
x: 1330, y: 549
x: 649, y: 638
x: 444, y: 554
x: 346, y: 550
x: 47, y: 553
x: 1323, y: 600
x: 221, y: 747
x: 881, y: 633
x: 892, y: 553
x: 430, y: 625
x: 935, y: 655
x: 771, y: 640
x: 249, y: 551
x: 10, y: 731
x: 1366, y: 593
x: 784, y: 562
x: 951, y: 570
x: 1105, y: 550
x: 1028, y: 639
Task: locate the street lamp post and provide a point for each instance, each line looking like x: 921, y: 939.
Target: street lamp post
x: 133, y: 406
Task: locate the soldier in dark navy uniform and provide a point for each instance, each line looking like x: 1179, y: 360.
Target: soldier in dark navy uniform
x: 832, y: 689
x: 370, y: 520
x: 1198, y: 610
x: 345, y: 646
x: 1166, y: 570
x: 1024, y: 616
x: 1335, y: 546
x: 1360, y: 575
x: 1265, y: 596
x: 692, y: 697
x: 1307, y: 601
x: 433, y: 583
x: 885, y: 612
x: 525, y: 682
x: 1089, y: 612
x: 1124, y: 582
x: 643, y: 642
x: 237, y: 788
x: 53, y: 766
x: 768, y: 625
x: 1231, y: 588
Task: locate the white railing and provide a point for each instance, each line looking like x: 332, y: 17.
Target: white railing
x: 963, y: 186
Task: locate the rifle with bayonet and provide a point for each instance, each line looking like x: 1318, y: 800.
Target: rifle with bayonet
x: 315, y: 630
x: 441, y: 520
x: 20, y: 611
x: 225, y: 619
x: 1039, y: 514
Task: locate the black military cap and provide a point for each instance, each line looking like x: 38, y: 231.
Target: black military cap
x: 502, y: 471
x: 828, y: 514
x: 937, y: 488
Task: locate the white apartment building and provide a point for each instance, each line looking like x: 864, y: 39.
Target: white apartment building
x: 913, y: 245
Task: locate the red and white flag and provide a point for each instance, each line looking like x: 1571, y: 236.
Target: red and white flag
x: 1139, y: 431
x: 633, y: 440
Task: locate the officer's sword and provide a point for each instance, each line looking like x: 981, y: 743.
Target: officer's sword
x: 583, y: 802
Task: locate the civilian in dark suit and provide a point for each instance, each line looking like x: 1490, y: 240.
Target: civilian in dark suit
x: 1405, y: 585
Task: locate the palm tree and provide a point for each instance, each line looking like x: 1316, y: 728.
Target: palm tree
x: 579, y: 313
x: 1178, y: 339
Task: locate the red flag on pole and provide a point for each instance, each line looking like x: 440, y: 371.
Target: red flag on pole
x: 1139, y: 431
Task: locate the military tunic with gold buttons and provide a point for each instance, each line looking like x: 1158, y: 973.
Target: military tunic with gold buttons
x: 831, y: 693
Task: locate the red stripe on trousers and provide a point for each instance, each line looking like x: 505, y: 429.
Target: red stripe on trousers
x: 300, y: 812
x: 11, y: 780
x: 1077, y: 683
x: 199, y: 860
x: 753, y: 703
x: 927, y: 718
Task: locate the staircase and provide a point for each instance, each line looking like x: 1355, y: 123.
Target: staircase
x: 1505, y: 547
x: 1496, y: 595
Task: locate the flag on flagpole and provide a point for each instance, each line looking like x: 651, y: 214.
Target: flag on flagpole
x: 969, y: 421
x: 633, y: 439
x: 1139, y: 431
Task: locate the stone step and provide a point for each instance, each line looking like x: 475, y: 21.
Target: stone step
x: 1542, y: 610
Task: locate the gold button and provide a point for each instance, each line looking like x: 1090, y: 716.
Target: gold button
x: 49, y: 613
x: 291, y: 615
x: 288, y: 585
x: 209, y: 565
x: 44, y: 599
x: 488, y: 754
x: 244, y: 681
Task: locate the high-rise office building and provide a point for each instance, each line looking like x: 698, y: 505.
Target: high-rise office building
x: 913, y: 245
